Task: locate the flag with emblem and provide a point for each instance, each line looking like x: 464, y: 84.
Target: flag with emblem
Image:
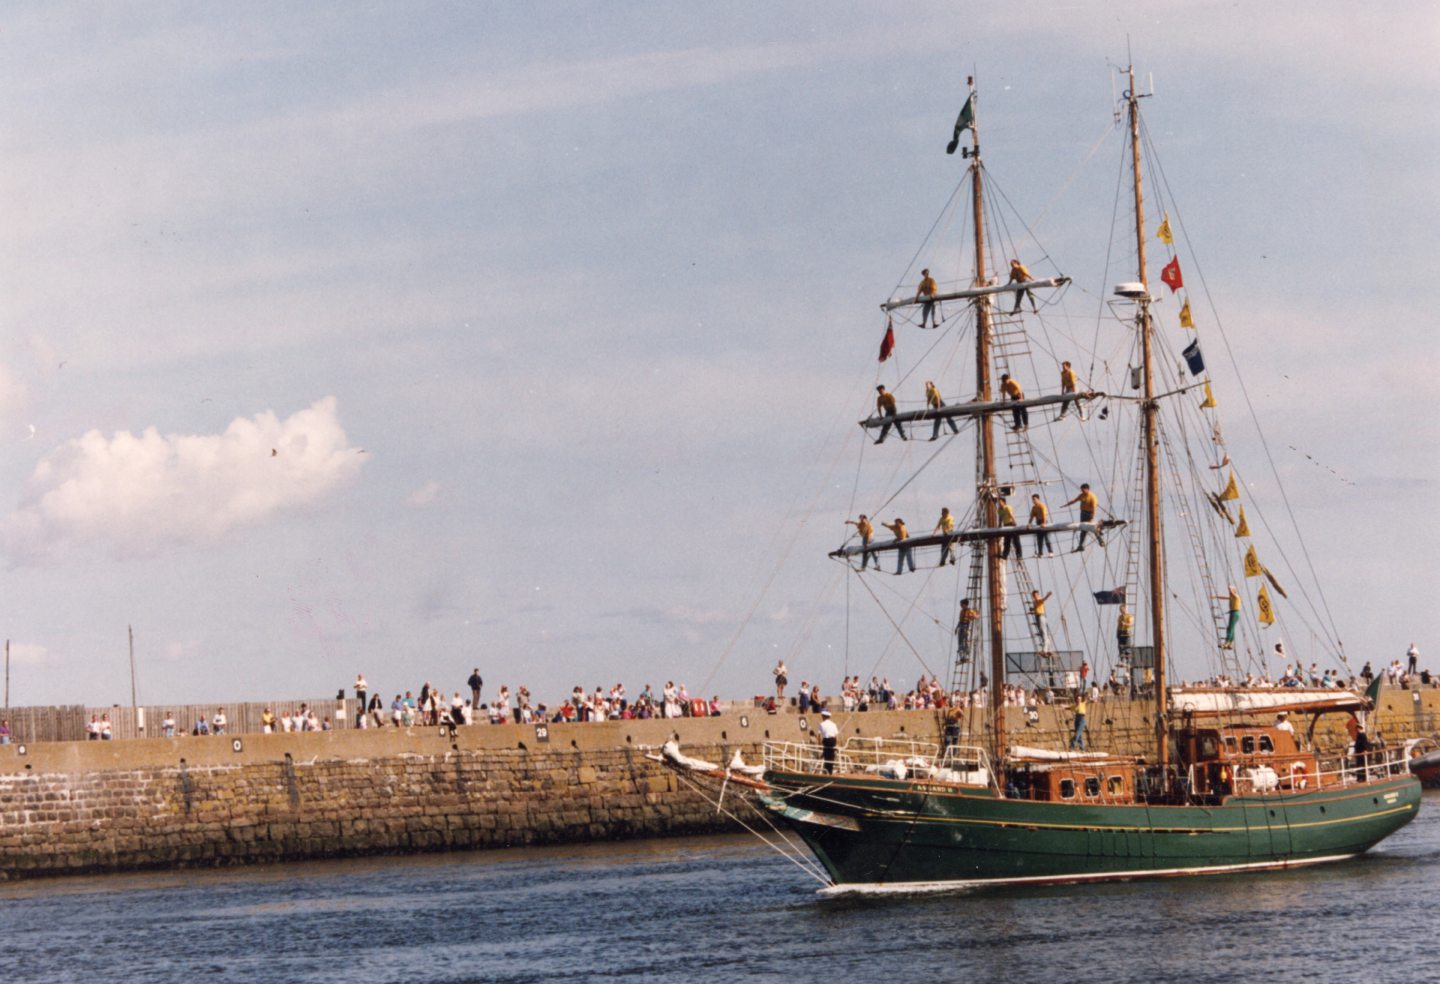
x: 1232, y: 490
x: 1185, y: 320
x: 1209, y: 399
x: 887, y: 344
x: 1253, y: 567
x: 962, y: 123
x: 1170, y: 276
x: 1242, y: 528
x: 1264, y: 611
x: 1163, y: 233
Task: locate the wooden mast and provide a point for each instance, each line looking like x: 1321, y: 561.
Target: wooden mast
x: 985, y: 434
x: 1152, y: 446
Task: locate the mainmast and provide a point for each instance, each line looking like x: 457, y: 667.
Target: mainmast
x: 1150, y: 409
x: 985, y: 435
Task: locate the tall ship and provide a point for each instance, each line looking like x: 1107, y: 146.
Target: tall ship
x: 1107, y: 529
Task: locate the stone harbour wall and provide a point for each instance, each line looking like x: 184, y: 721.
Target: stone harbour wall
x: 76, y: 807
x: 80, y: 806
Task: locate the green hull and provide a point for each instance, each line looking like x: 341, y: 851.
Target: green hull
x: 883, y: 834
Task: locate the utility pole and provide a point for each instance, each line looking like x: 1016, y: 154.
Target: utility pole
x: 134, y: 704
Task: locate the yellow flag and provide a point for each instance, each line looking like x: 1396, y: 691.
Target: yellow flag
x: 1232, y: 491
x: 1263, y: 610
x: 1209, y: 398
x: 1253, y: 567
x: 1163, y: 233
x: 1185, y: 320
x: 1242, y: 528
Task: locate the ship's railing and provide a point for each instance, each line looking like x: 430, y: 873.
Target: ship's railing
x: 889, y: 758
x: 1296, y: 773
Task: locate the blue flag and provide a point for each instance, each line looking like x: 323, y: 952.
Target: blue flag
x: 1193, y: 359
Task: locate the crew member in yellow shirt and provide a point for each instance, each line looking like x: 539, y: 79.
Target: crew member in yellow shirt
x: 926, y: 296
x: 1012, y: 540
x: 1088, y: 504
x: 1010, y: 390
x: 933, y: 401
x: 866, y: 530
x: 966, y: 628
x: 945, y: 527
x: 1040, y: 516
x: 1020, y: 275
x: 904, y: 554
x: 885, y: 407
x: 1069, y: 385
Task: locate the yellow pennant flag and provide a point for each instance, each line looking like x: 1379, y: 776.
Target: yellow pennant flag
x: 1242, y: 528
x: 1232, y: 491
x: 1163, y: 233
x: 1253, y: 567
x: 1185, y: 320
x: 1209, y: 398
x: 1264, y: 611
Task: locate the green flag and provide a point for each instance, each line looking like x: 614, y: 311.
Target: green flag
x: 962, y: 123
x: 1372, y: 693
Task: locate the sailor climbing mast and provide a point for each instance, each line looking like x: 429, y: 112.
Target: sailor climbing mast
x: 985, y: 436
x: 1152, y: 446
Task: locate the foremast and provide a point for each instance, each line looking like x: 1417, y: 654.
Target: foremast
x: 985, y: 436
x: 1149, y: 412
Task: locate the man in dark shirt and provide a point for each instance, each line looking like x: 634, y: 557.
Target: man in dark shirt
x: 476, y: 684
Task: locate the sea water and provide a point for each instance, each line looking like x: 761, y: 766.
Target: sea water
x: 720, y: 909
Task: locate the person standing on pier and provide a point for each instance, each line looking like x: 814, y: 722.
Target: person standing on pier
x: 1413, y: 655
x: 361, y: 690
x: 781, y: 678
x: 476, y: 682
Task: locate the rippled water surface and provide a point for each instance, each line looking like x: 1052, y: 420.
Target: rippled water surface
x: 720, y: 909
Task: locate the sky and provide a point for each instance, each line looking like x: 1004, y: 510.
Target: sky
x: 405, y: 338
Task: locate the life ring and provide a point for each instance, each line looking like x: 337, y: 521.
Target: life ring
x: 1298, y: 779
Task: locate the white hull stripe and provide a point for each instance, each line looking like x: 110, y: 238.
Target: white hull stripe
x: 907, y: 888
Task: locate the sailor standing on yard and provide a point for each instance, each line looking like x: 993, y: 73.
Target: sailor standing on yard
x: 1011, y: 390
x: 946, y: 527
x: 829, y: 736
x: 904, y: 554
x: 1020, y: 275
x: 1069, y: 385
x: 866, y: 531
x: 926, y: 295
x: 885, y: 407
x: 1040, y: 516
x: 933, y: 401
x: 1088, y: 504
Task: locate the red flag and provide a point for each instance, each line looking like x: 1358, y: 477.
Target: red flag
x: 1171, y: 275
x: 887, y: 344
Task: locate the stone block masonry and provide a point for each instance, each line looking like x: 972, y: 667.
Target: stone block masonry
x: 77, y: 807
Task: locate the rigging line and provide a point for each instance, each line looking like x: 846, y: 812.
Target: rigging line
x: 899, y: 632
x: 809, y: 868
x: 1110, y: 130
x: 949, y: 204
x: 789, y: 546
x: 1254, y: 416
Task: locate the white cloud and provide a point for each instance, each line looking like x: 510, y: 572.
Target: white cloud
x: 133, y: 493
x: 31, y: 654
x: 423, y: 496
